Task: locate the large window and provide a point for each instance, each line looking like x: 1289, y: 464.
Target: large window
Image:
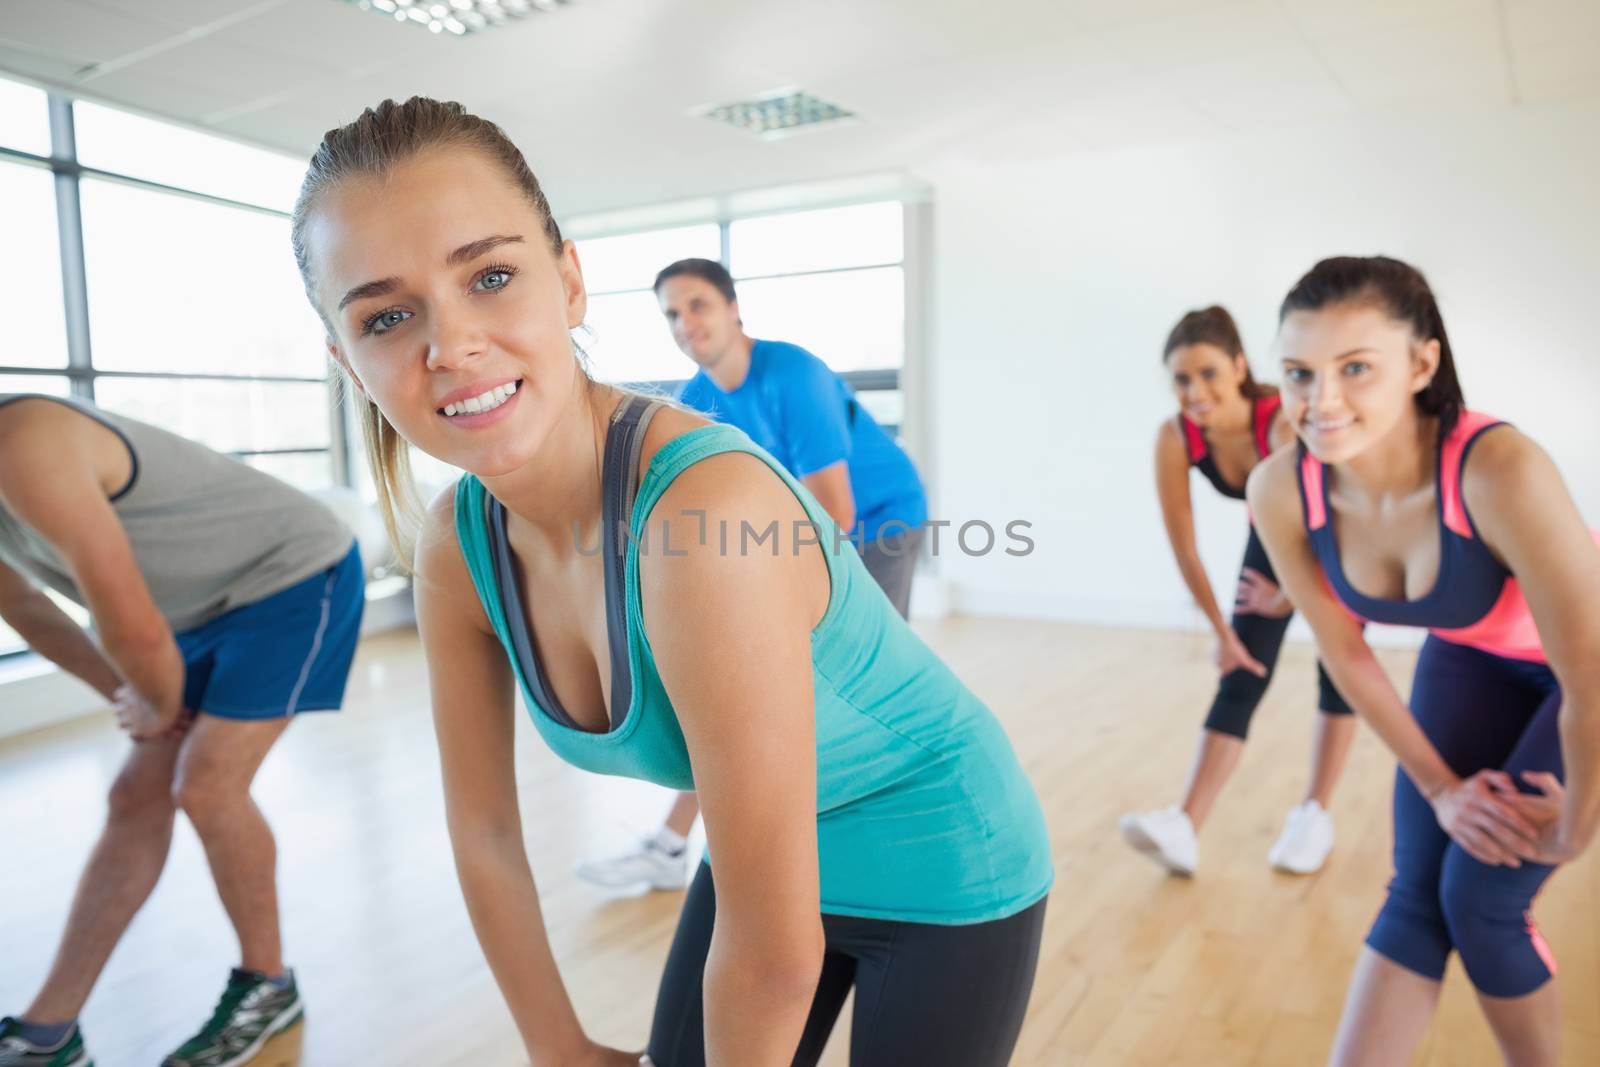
x: 24, y: 119
x: 120, y: 143
x: 30, y: 268
x: 830, y: 280
x: 146, y: 267
x: 184, y: 286
x: 627, y: 340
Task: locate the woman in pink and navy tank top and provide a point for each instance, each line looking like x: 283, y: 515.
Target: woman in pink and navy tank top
x: 1226, y: 424
x: 1403, y: 507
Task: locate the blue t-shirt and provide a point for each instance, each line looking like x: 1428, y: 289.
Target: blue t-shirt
x: 804, y: 415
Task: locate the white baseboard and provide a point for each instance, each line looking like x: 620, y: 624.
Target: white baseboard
x: 35, y: 694
x: 1165, y: 615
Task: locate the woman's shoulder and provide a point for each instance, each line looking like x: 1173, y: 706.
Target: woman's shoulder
x: 1273, y: 486
x: 438, y: 559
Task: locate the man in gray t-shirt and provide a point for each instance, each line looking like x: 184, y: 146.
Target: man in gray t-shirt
x: 223, y: 603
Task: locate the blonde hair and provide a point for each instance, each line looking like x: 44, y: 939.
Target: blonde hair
x: 373, y: 145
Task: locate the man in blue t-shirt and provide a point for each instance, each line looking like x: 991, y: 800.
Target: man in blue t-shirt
x: 791, y: 404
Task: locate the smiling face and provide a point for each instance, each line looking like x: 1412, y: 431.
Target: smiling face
x: 448, y: 306
x: 704, y: 323
x: 1206, y: 380
x: 1351, y: 373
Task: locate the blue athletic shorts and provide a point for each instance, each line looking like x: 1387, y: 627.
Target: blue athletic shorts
x: 288, y: 653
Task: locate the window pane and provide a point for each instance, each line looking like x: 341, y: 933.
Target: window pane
x: 47, y: 384
x: 30, y: 268
x: 429, y: 475
x: 632, y: 261
x: 887, y: 406
x: 631, y: 342
x: 186, y: 159
x: 310, y: 471
x: 817, y: 240
x: 226, y: 416
x: 851, y: 321
x: 179, y: 285
x: 24, y: 118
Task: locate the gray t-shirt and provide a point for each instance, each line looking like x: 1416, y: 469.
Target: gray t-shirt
x: 210, y: 534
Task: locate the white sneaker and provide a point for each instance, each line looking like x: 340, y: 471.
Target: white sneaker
x: 1306, y: 840
x: 649, y: 866
x: 1166, y: 836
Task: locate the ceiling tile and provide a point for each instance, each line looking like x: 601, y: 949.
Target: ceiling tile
x: 72, y: 28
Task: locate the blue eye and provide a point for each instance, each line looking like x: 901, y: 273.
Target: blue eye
x: 1355, y: 367
x: 494, y: 279
x: 384, y: 321
x: 1298, y: 375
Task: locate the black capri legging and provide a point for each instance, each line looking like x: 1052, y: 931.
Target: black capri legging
x: 1240, y: 691
x: 934, y: 996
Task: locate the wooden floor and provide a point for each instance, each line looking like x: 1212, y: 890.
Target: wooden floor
x: 1238, y: 966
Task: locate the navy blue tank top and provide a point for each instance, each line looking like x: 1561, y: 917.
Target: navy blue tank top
x: 1264, y: 410
x: 1475, y: 600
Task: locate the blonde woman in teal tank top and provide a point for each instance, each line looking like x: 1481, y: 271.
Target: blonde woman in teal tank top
x: 673, y: 607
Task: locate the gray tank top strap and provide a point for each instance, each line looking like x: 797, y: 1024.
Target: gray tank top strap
x: 97, y: 416
x: 620, y: 473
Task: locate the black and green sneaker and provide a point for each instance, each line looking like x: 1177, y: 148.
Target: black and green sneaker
x: 252, y: 1013
x: 15, y: 1051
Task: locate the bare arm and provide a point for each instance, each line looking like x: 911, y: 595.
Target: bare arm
x: 1526, y: 516
x: 1275, y: 502
x: 831, y: 487
x: 1489, y: 828
x: 731, y: 635
x: 473, y: 710
x: 1177, y: 513
x: 50, y: 632
x: 66, y: 502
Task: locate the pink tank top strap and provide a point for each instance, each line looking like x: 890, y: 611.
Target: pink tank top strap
x: 1311, y: 489
x: 1194, y: 440
x: 1266, y: 410
x: 1452, y: 457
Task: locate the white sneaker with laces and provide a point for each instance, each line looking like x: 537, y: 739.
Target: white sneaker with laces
x: 649, y: 866
x: 1166, y: 836
x: 1306, y: 840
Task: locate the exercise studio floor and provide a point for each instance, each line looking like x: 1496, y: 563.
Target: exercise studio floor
x: 1238, y: 966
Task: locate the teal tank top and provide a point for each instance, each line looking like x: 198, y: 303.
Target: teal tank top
x: 923, y: 812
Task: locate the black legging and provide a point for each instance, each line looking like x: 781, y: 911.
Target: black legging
x: 934, y: 996
x: 1241, y: 691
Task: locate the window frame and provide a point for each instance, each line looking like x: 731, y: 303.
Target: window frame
x: 80, y: 370
x: 886, y: 379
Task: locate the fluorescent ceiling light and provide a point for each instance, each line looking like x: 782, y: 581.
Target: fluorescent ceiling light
x: 777, y: 114
x: 457, y: 17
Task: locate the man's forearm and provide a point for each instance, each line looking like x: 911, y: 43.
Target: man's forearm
x: 53, y: 635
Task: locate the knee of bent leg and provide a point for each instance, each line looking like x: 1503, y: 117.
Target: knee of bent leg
x: 201, y: 791
x: 139, y: 791
x: 1411, y: 930
x: 1493, y: 931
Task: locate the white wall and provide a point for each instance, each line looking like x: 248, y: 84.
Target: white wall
x: 1057, y: 278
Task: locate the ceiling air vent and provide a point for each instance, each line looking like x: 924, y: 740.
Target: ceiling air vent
x: 778, y: 114
x: 459, y: 17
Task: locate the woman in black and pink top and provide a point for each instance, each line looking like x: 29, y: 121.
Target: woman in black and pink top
x: 1403, y: 507
x: 1226, y: 424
